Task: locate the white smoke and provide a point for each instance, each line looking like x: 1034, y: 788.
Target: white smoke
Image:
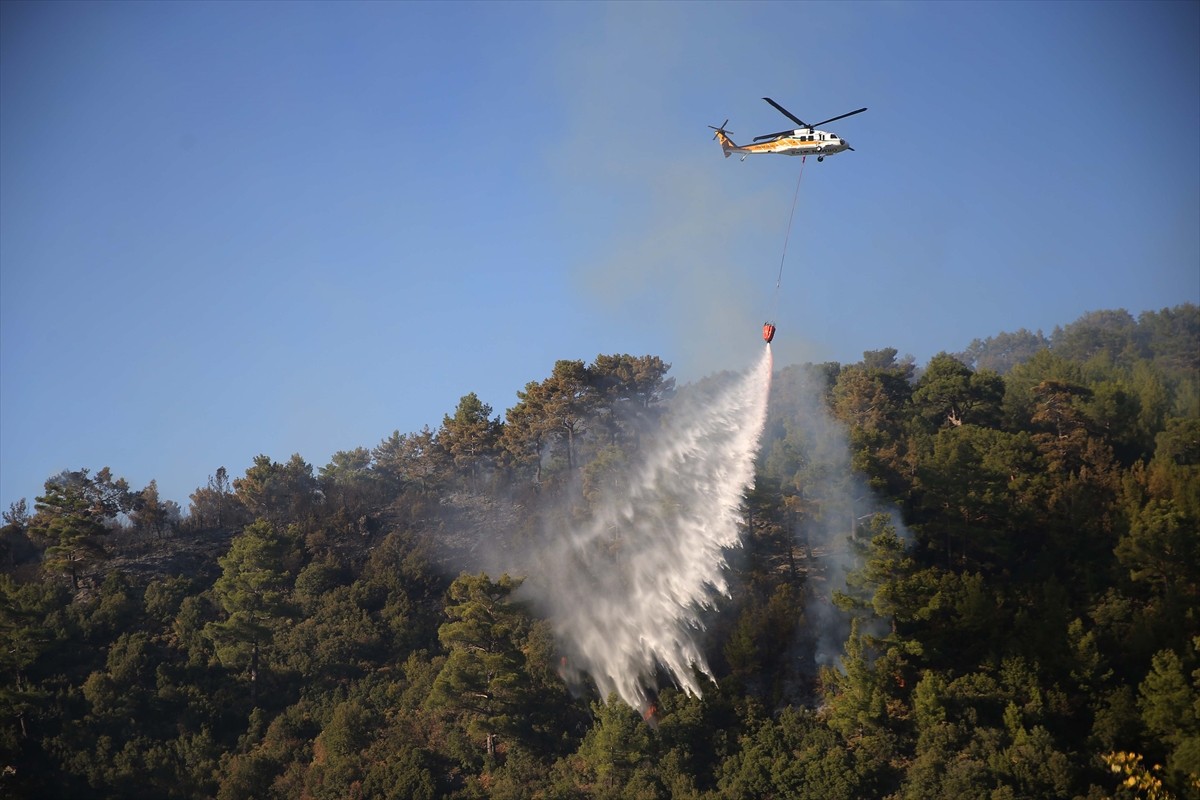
x: 839, y: 505
x: 625, y: 589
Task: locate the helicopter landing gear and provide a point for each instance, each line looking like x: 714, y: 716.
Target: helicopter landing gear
x: 820, y: 158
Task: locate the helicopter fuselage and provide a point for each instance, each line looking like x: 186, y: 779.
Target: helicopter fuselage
x: 800, y: 142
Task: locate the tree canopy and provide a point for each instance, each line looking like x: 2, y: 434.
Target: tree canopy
x: 978, y: 577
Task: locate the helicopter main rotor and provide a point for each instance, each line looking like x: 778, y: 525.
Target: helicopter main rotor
x: 799, y: 121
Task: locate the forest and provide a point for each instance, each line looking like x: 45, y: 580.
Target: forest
x: 1008, y: 609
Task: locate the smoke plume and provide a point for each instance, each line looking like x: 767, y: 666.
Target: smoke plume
x: 838, y: 503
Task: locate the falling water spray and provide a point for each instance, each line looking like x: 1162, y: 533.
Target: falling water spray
x: 625, y: 589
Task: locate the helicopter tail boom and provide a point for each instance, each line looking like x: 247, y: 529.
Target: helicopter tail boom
x: 727, y: 145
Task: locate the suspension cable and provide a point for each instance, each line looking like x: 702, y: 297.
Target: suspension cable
x: 786, y: 238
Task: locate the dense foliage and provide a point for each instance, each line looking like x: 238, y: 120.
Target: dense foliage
x: 1024, y: 624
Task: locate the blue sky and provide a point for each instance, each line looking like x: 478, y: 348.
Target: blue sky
x: 230, y: 229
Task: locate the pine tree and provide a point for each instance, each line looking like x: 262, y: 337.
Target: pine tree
x: 253, y: 594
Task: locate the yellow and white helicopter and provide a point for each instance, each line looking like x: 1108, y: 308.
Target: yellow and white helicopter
x: 803, y: 141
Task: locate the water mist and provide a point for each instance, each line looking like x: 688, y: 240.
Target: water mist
x: 625, y: 588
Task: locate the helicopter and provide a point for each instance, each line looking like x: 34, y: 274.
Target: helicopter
x: 802, y: 141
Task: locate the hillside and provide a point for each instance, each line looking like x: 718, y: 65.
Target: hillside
x: 973, y: 578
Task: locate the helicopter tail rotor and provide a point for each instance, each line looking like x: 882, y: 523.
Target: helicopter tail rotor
x: 721, y: 129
